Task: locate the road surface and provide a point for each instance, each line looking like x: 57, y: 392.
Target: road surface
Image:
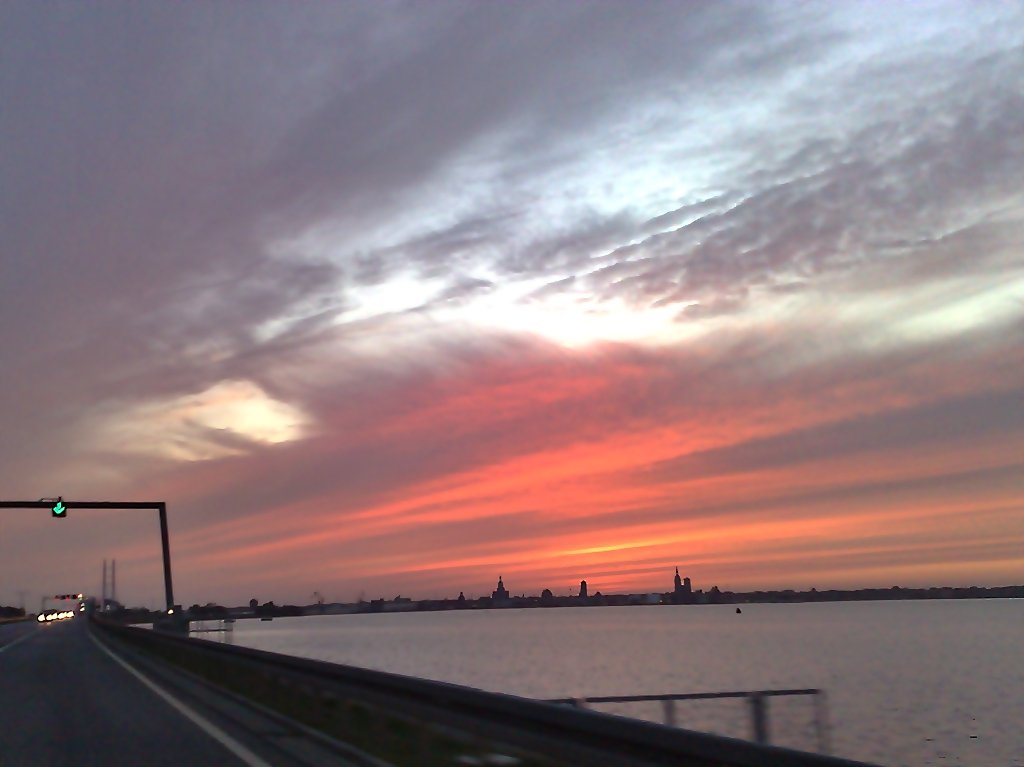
x: 66, y: 701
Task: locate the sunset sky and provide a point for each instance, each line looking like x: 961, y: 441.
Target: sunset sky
x: 395, y: 297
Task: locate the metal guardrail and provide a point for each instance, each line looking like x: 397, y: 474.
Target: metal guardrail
x: 410, y: 721
x: 756, y: 699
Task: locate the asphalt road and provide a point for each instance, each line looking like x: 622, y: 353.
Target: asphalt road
x: 11, y: 632
x: 65, y: 702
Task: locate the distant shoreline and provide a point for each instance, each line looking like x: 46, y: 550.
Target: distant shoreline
x: 714, y: 596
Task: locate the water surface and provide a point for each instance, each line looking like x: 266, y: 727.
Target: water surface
x: 908, y: 683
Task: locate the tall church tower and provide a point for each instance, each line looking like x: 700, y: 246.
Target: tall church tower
x: 500, y: 593
x: 682, y: 594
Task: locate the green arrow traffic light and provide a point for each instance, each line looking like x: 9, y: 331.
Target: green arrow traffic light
x: 59, y: 510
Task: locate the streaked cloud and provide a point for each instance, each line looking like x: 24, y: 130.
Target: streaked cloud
x: 574, y: 290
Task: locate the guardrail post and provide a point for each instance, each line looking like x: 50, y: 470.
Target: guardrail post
x: 759, y: 717
x: 669, y: 707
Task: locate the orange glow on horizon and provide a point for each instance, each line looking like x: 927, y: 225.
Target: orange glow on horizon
x: 747, y: 490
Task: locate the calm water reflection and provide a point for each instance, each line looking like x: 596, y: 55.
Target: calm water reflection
x: 909, y: 683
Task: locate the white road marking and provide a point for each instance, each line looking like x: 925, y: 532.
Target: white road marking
x: 19, y: 640
x: 193, y: 716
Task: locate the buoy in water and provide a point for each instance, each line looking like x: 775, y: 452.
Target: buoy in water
x: 738, y: 611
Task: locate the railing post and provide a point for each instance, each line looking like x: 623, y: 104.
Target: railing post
x: 759, y: 717
x: 669, y: 707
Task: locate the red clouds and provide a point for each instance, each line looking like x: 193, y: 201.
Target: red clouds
x: 615, y: 464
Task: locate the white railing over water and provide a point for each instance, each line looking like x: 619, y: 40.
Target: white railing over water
x: 225, y: 628
x: 757, y: 701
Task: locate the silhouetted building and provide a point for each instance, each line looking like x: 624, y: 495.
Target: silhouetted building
x: 583, y: 589
x: 683, y: 591
x: 500, y: 594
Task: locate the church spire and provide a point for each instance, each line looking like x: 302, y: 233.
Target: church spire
x: 500, y: 593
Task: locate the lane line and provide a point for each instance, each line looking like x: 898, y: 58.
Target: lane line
x: 19, y: 640
x: 215, y: 732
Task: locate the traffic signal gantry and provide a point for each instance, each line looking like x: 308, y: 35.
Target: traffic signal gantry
x: 59, y: 510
